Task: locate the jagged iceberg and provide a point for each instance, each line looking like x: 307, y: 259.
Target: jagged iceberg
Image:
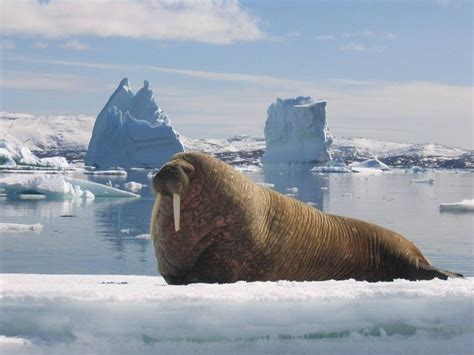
x: 296, y: 131
x: 132, y: 131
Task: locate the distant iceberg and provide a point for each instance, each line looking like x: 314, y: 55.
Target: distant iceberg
x: 132, y: 131
x: 296, y: 131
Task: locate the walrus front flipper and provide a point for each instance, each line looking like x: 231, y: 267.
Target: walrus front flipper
x: 429, y: 273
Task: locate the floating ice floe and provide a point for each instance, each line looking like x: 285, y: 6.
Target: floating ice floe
x: 113, y: 172
x: 14, y: 156
x: 141, y: 315
x: 20, y: 228
x: 333, y: 166
x: 143, y: 237
x: 463, y: 206
x: 369, y: 166
x: 133, y: 186
x: 59, y: 186
x: 423, y: 181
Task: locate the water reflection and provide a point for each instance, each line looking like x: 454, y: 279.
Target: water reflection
x: 312, y: 188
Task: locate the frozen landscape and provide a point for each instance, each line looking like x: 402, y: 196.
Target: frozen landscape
x: 74, y: 235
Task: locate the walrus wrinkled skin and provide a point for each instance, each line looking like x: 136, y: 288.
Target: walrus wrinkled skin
x: 231, y: 229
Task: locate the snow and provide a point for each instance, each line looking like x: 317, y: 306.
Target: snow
x: 15, y: 155
x: 296, y: 131
x: 20, y: 228
x: 116, y: 314
x: 132, y: 131
x: 371, y: 164
x: 365, y: 147
x: 59, y: 186
x: 52, y: 135
x: 462, y: 206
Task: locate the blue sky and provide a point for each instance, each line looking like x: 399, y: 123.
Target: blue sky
x: 397, y: 70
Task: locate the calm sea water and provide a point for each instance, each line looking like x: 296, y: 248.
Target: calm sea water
x: 98, y: 237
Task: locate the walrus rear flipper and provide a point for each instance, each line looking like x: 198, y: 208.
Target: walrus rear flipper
x: 429, y: 273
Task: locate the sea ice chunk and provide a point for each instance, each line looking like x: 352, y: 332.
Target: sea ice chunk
x: 463, y: 206
x: 59, y: 186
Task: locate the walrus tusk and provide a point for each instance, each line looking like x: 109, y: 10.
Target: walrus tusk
x: 176, y: 211
x: 154, y: 216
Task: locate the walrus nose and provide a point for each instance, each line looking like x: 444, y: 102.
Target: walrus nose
x: 171, y: 180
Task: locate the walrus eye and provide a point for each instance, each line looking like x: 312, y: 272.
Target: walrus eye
x: 176, y: 211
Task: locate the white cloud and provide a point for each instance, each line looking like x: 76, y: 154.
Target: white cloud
x: 76, y: 45
x: 7, y: 44
x: 40, y: 45
x: 215, y: 21
x: 23, y: 80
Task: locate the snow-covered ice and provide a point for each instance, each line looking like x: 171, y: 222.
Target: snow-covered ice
x: 143, y: 237
x: 132, y: 131
x: 296, y: 131
x: 59, y: 186
x: 20, y: 228
x: 369, y: 164
x: 115, y: 314
x: 112, y: 172
x: 462, y: 206
x: 14, y: 155
x: 133, y: 186
x: 332, y: 166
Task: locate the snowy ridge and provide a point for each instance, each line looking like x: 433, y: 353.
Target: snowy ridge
x: 63, y: 135
x: 68, y: 136
x: 116, y: 314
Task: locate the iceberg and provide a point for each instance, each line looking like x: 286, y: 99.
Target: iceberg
x: 333, y: 166
x: 124, y: 314
x: 296, y: 131
x: 16, y: 156
x: 132, y: 131
x: 59, y: 186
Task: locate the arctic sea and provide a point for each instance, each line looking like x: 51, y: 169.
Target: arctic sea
x: 86, y: 284
x: 100, y: 236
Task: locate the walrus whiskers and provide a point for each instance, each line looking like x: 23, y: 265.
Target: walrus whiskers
x: 176, y: 211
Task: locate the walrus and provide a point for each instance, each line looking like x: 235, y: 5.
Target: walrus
x: 212, y: 224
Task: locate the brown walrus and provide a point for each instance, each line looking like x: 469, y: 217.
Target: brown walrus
x: 210, y: 223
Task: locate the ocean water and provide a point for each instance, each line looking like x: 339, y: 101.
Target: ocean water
x: 99, y: 236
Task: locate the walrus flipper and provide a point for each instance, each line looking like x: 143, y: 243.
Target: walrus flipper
x: 430, y: 272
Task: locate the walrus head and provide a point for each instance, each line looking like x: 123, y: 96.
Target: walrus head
x: 200, y: 201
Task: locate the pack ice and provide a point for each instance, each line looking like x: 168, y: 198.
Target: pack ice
x: 296, y: 131
x: 132, y: 131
